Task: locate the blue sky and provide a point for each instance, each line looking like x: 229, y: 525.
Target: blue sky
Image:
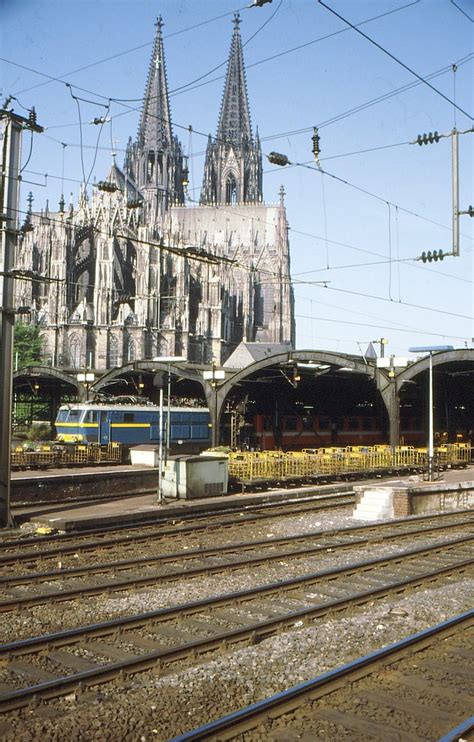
x: 362, y: 246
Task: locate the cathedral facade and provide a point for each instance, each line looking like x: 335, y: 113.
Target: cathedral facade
x: 137, y: 270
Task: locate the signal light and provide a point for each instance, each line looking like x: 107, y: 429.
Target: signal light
x: 430, y: 256
x: 316, y: 147
x: 276, y: 158
x: 428, y: 138
x: 470, y: 211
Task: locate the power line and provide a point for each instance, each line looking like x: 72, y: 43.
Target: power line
x: 390, y: 301
x: 277, y: 276
x: 133, y: 49
x: 462, y: 11
x: 379, y: 327
x: 396, y: 59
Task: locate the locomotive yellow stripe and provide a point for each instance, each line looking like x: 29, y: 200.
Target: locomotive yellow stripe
x: 77, y: 425
x: 130, y: 425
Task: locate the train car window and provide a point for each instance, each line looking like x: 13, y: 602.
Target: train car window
x: 307, y: 423
x: 180, y: 431
x: 128, y: 417
x: 290, y: 423
x: 91, y: 416
x: 323, y: 423
x: 367, y: 423
x: 74, y: 415
x: 353, y: 423
x: 267, y: 423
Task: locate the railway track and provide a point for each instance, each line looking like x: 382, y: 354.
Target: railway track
x: 415, y: 689
x: 57, y: 664
x: 202, y: 521
x: 37, y: 588
x: 69, y: 550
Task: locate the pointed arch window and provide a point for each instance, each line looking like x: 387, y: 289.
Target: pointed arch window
x: 231, y: 190
x: 129, y: 349
x: 113, y: 351
x: 75, y: 350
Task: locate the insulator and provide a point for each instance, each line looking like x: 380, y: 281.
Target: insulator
x: 316, y: 148
x: 276, y: 158
x: 106, y: 185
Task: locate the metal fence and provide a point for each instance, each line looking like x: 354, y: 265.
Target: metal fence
x: 276, y: 465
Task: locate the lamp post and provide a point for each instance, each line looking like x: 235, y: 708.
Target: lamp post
x: 168, y: 360
x: 213, y: 376
x: 430, y: 349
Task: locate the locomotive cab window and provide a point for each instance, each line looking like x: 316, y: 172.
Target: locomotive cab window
x: 128, y: 417
x: 75, y: 415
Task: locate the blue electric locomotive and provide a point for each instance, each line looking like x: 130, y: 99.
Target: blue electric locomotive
x: 131, y: 425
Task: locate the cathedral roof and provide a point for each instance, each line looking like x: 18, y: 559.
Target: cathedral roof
x: 123, y: 182
x: 247, y: 353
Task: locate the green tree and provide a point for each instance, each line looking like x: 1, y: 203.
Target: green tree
x: 27, y: 345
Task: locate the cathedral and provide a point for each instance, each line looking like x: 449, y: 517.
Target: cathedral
x: 137, y: 269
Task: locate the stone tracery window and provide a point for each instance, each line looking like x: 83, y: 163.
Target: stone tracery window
x: 231, y: 190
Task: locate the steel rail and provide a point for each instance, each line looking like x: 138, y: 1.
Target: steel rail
x: 246, y: 546
x: 15, y: 603
x: 245, y: 719
x: 459, y: 732
x: 156, y: 530
x: 92, y: 545
x: 255, y: 633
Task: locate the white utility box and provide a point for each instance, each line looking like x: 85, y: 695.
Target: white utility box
x: 145, y: 455
x: 195, y: 477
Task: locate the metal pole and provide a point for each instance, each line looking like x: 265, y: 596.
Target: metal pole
x: 160, y: 452
x: 430, y: 424
x: 168, y: 416
x: 10, y: 142
x: 455, y: 188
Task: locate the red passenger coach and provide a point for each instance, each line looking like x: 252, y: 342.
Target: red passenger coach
x: 295, y: 432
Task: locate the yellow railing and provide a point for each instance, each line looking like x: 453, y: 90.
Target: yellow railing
x: 274, y: 465
x: 43, y: 456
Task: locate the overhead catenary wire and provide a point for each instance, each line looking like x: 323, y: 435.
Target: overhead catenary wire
x: 51, y: 78
x: 396, y: 59
x: 277, y: 276
x: 462, y: 11
x: 380, y: 327
x: 133, y: 49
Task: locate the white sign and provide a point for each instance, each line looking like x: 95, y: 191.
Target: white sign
x: 86, y: 377
x: 392, y: 362
x: 214, y: 375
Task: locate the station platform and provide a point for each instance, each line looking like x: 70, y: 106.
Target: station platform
x: 147, y: 507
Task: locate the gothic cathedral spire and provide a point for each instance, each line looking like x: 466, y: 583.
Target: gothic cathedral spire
x: 155, y: 161
x: 233, y: 168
